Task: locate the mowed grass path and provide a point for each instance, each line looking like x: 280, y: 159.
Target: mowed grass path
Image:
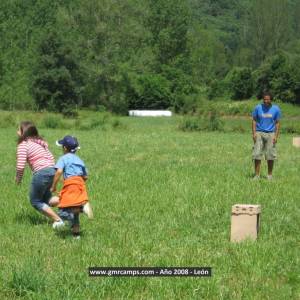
x: 161, y: 197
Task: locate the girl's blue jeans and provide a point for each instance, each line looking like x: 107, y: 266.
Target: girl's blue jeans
x: 40, y: 188
x: 68, y: 215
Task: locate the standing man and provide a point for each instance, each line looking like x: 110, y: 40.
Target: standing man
x: 265, y: 131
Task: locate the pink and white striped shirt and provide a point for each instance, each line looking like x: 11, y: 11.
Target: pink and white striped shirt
x: 36, y: 153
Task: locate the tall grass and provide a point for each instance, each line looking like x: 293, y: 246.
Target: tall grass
x: 161, y: 197
x: 83, y: 120
x: 243, y: 108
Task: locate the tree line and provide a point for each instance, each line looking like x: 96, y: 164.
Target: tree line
x: 117, y: 55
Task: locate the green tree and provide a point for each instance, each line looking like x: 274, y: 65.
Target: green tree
x: 241, y: 83
x: 152, y: 91
x: 168, y: 22
x: 278, y: 75
x: 56, y: 80
x: 269, y: 28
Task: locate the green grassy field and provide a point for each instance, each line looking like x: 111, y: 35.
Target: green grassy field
x: 161, y: 197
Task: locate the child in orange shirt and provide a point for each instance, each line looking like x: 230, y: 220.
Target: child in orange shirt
x: 73, y: 197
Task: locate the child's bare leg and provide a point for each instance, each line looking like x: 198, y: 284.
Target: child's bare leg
x: 75, y: 225
x: 76, y: 210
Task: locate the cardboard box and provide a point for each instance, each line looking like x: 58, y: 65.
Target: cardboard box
x: 296, y: 142
x: 245, y: 222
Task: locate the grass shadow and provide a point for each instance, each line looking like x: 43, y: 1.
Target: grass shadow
x: 67, y: 234
x: 30, y: 218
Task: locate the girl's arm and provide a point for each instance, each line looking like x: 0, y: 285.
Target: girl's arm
x: 56, y: 179
x: 21, y: 161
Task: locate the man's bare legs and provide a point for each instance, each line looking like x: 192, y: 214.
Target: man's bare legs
x: 257, y: 164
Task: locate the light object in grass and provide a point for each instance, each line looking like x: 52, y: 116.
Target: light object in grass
x: 150, y: 113
x: 245, y: 222
x: 296, y: 142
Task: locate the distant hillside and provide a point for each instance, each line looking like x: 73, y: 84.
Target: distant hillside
x: 116, y: 55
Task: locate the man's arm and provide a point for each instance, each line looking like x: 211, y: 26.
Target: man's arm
x: 254, y: 130
x: 277, y: 126
x: 56, y: 179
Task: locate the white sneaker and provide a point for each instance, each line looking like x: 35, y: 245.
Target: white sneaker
x: 270, y: 177
x: 256, y: 177
x: 87, y: 209
x: 58, y: 224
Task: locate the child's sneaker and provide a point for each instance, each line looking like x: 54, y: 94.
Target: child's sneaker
x: 58, y: 224
x: 76, y: 235
x: 256, y: 177
x: 87, y: 209
x: 270, y: 177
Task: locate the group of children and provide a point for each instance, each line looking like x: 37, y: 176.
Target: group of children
x: 72, y: 199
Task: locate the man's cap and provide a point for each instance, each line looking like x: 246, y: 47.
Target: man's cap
x: 70, y: 142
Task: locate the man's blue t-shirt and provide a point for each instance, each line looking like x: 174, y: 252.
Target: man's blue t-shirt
x: 71, y: 165
x: 266, y: 117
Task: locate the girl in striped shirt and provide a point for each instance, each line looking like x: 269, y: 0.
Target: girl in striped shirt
x: 34, y: 150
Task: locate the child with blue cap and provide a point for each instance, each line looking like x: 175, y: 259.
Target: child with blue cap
x: 73, y: 197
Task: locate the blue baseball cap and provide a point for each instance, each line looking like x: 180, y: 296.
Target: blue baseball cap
x: 70, y: 142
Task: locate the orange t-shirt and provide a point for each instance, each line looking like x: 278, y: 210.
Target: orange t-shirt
x: 73, y: 192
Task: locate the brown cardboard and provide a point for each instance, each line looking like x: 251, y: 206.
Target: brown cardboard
x: 245, y: 221
x: 296, y: 142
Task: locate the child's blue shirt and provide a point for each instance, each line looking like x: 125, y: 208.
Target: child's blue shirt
x: 71, y: 165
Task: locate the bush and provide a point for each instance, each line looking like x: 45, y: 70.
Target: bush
x: 52, y: 121
x: 217, y: 88
x: 180, y: 86
x: 214, y: 122
x: 204, y: 106
x: 189, y: 104
x: 241, y: 83
x: 211, y: 122
x: 239, y: 129
x: 239, y: 108
x: 118, y: 104
x: 101, y: 108
x: 280, y: 75
x: 8, y: 121
x: 95, y: 122
x: 116, y: 124
x: 69, y: 112
x: 292, y: 127
x: 190, y: 124
x: 150, y: 91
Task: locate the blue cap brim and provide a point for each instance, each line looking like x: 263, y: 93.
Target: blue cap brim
x: 59, y: 143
